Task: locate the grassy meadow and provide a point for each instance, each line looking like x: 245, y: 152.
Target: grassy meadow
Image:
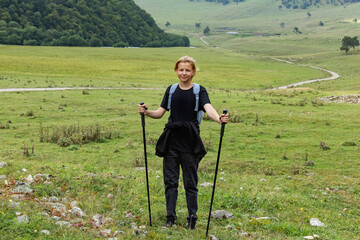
x: 286, y: 156
x: 271, y: 163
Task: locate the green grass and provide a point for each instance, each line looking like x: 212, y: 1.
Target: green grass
x: 263, y: 168
x: 94, y: 67
x: 250, y: 153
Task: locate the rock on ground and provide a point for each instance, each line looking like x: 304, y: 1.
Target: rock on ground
x: 206, y: 184
x: 46, y: 232
x: 316, y: 223
x: 77, y: 212
x: 221, y: 214
x: 3, y: 164
x: 63, y: 223
x: 74, y: 204
x: 105, y: 232
x: 58, y: 206
x: 23, y: 219
x: 22, y: 187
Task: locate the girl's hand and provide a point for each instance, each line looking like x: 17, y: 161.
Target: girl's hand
x: 224, y: 118
x: 142, y: 108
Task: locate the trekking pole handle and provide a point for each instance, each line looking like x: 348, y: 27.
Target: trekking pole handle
x: 225, y: 111
x: 142, y: 115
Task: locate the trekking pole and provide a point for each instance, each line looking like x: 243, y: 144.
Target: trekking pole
x: 216, y: 171
x: 146, y: 166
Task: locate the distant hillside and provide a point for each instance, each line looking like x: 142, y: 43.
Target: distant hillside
x: 304, y: 4
x: 223, y: 2
x: 117, y: 23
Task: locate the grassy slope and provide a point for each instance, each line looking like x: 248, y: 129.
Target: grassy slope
x: 251, y: 152
x: 43, y: 67
x: 317, y: 45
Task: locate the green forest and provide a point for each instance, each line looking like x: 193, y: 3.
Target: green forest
x: 304, y: 4
x: 223, y: 2
x: 118, y: 23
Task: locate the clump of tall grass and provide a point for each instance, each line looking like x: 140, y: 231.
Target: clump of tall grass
x: 65, y: 136
x: 6, y: 125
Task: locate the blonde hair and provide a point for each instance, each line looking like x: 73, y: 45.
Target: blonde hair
x: 185, y: 59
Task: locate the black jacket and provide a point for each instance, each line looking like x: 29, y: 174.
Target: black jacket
x: 163, y: 142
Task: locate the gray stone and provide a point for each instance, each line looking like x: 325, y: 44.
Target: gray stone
x: 229, y: 227
x: 46, y: 232
x: 267, y: 218
x: 117, y: 233
x: 14, y: 205
x: 29, y: 179
x: 53, y: 199
x: 316, y: 223
x: 18, y: 197
x: 56, y: 218
x: 206, y: 184
x: 58, y: 207
x: 63, y: 223
x: 3, y: 164
x: 77, y: 212
x: 22, y: 188
x: 44, y: 214
x: 22, y: 219
x: 105, y: 232
x: 41, y: 177
x: 98, y: 220
x: 74, y: 204
x: 221, y: 214
x: 244, y: 234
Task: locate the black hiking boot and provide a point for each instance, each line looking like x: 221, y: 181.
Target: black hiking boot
x: 169, y: 223
x: 191, y: 223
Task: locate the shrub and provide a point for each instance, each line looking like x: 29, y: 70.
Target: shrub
x: 65, y: 136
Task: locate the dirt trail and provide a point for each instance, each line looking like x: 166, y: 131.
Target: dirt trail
x: 70, y: 88
x: 334, y: 75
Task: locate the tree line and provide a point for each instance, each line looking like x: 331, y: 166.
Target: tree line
x: 304, y: 4
x: 223, y: 2
x: 118, y: 23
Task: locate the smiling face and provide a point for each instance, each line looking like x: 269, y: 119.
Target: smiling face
x: 185, y: 72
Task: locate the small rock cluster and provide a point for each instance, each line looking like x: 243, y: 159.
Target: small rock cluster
x: 342, y: 99
x: 63, y: 212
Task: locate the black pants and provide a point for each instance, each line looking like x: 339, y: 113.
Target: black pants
x: 171, y: 167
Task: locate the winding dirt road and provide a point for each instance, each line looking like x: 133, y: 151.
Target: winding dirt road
x: 70, y: 88
x: 334, y: 75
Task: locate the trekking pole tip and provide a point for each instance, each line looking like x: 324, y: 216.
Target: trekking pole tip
x: 225, y: 111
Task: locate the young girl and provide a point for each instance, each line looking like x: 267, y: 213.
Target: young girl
x: 180, y: 144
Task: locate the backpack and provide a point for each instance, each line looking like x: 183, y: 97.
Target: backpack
x: 196, y: 91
